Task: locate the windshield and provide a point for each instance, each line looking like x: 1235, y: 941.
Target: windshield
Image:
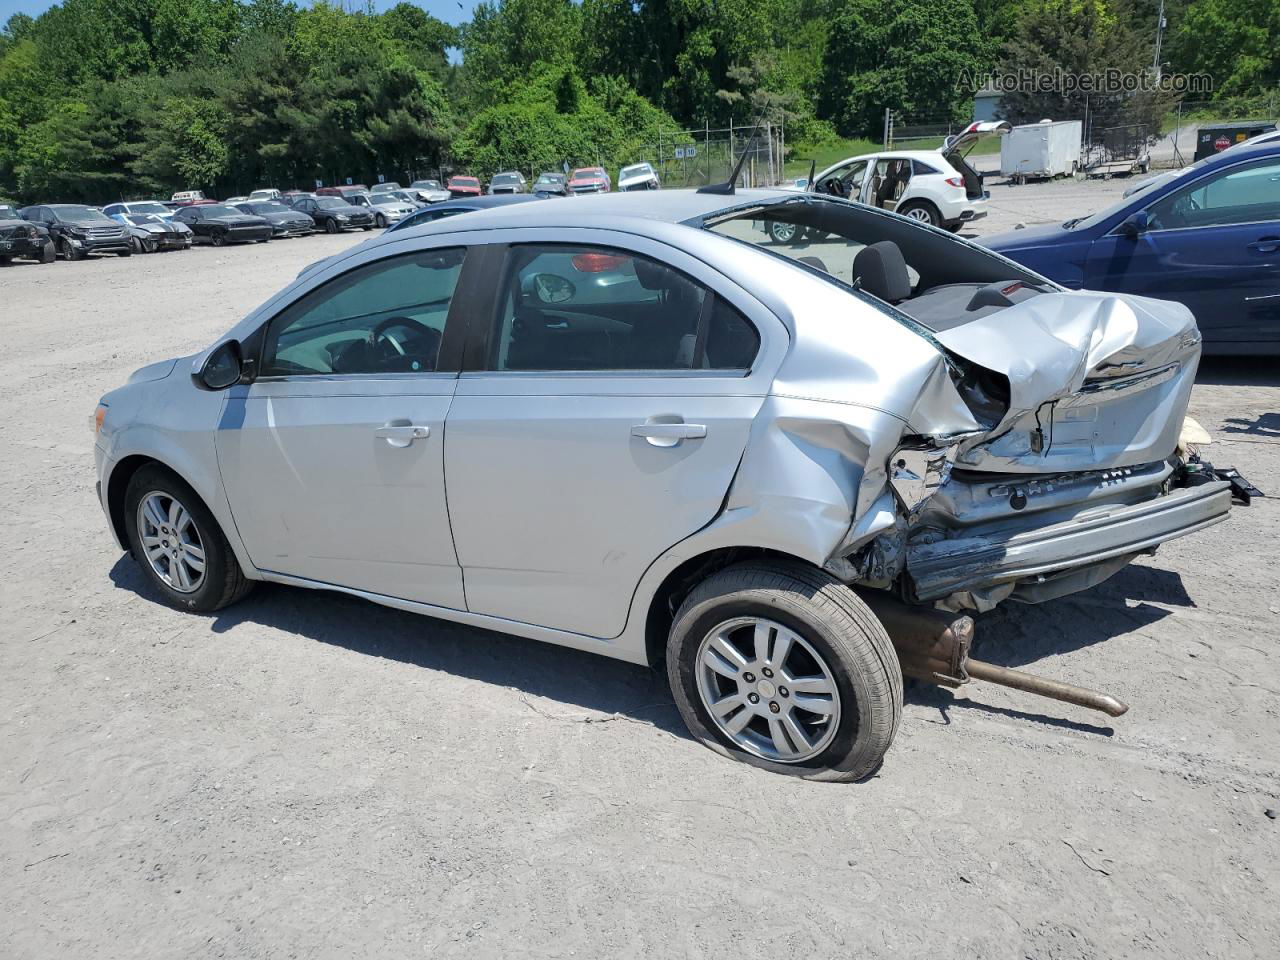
x: 551, y: 178
x: 7, y: 212
x: 272, y: 207
x: 587, y: 173
x: 80, y: 213
x: 331, y: 203
x: 426, y: 184
x: 465, y: 181
x: 220, y: 210
x: 640, y: 169
x: 506, y: 178
x: 158, y: 208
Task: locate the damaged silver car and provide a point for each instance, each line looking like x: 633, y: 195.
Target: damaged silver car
x: 636, y: 427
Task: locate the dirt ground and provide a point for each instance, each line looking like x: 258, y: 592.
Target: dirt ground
x: 307, y: 775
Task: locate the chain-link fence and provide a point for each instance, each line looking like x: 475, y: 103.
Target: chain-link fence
x: 693, y: 157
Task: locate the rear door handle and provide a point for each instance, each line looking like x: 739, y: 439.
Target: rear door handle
x: 1266, y: 245
x: 401, y: 433
x: 669, y: 434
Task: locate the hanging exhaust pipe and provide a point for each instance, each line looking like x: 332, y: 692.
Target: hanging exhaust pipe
x: 934, y: 646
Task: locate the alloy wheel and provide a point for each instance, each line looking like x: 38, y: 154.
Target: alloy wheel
x: 171, y: 541
x: 782, y: 232
x: 921, y: 214
x: 768, y: 689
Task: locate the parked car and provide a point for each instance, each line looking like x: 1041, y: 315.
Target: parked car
x: 344, y: 192
x: 638, y: 176
x: 937, y: 187
x: 187, y: 197
x: 510, y: 182
x: 285, y: 221
x: 149, y: 233
x: 389, y: 186
x: 551, y: 184
x: 266, y: 193
x: 430, y: 191
x: 452, y: 208
x: 333, y: 214
x: 589, y: 180
x: 770, y: 475
x: 20, y: 239
x: 411, y: 197
x: 157, y: 208
x: 385, y: 208
x: 464, y: 187
x: 78, y: 230
x: 231, y: 201
x: 219, y: 224
x: 1209, y: 239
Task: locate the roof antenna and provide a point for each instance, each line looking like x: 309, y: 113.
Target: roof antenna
x: 728, y: 187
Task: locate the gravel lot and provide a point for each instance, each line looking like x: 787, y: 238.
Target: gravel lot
x: 307, y: 775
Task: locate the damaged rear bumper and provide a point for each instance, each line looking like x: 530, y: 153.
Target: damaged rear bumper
x: 975, y: 563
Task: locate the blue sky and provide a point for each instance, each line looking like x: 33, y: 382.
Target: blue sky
x: 446, y: 10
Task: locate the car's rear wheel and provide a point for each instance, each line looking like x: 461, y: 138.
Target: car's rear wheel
x: 780, y: 232
x: 921, y: 211
x: 178, y: 543
x: 783, y: 667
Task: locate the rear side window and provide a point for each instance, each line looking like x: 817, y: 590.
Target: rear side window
x: 580, y: 308
x: 384, y: 317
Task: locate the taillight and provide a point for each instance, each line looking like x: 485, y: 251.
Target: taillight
x: 597, y: 262
x: 955, y: 182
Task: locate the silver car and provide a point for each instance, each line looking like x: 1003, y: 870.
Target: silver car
x: 633, y: 426
x: 385, y: 207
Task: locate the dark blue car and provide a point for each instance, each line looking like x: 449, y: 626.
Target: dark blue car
x: 1208, y: 238
x: 451, y: 208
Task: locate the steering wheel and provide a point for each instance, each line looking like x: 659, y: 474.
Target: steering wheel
x: 381, y: 334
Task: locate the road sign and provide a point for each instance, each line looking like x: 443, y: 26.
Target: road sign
x: 381, y: 179
x: 690, y: 151
x: 679, y: 153
x: 319, y: 184
x: 348, y: 181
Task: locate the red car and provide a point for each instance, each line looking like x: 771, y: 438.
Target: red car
x: 464, y: 186
x: 589, y: 180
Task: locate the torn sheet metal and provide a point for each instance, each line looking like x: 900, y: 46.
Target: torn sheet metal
x: 1095, y: 381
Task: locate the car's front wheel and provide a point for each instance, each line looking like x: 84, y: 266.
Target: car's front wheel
x: 331, y: 226
x: 219, y: 238
x: 381, y: 221
x: 782, y: 666
x: 178, y: 543
x: 780, y: 232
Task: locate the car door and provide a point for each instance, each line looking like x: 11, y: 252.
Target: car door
x: 1212, y: 244
x: 605, y: 406
x: 332, y: 458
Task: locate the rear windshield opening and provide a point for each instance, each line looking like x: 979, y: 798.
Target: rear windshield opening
x: 927, y: 274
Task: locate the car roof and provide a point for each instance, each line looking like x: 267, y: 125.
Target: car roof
x: 609, y: 210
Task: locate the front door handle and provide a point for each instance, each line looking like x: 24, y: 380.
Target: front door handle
x: 669, y: 434
x: 1266, y: 245
x: 401, y: 433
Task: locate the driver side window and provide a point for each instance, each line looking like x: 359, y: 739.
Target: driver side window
x: 845, y: 181
x: 383, y: 317
x: 1241, y: 195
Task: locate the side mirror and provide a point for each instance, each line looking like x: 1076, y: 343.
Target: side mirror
x: 550, y: 288
x: 1136, y: 225
x: 222, y: 368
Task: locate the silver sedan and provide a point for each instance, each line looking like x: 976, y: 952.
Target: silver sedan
x: 644, y: 428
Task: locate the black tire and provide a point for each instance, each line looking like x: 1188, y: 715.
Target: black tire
x: 367, y: 229
x: 331, y: 226
x: 70, y: 253
x: 380, y: 222
x: 218, y: 238
x: 4, y: 261
x: 955, y: 226
x: 136, y: 244
x: 922, y: 211
x: 224, y: 582
x: 124, y: 253
x: 48, y: 253
x: 831, y: 618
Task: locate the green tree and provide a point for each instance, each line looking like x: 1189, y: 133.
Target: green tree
x: 1236, y: 42
x: 906, y: 57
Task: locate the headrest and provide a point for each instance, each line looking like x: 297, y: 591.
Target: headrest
x: 882, y: 271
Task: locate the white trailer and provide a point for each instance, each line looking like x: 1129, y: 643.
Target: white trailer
x: 1041, y: 150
